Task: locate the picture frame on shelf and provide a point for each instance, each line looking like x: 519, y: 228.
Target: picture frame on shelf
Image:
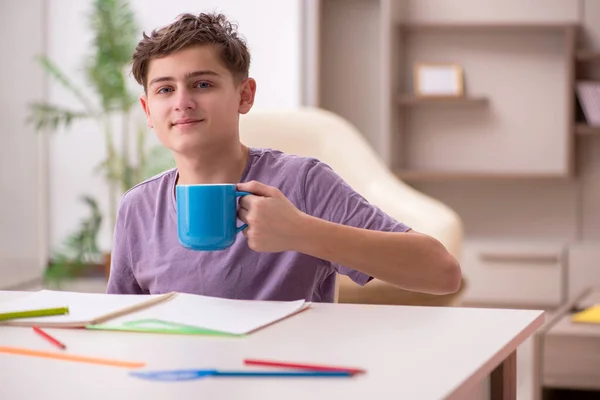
x: 438, y: 80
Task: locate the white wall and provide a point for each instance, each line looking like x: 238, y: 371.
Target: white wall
x: 272, y: 30
x: 22, y: 201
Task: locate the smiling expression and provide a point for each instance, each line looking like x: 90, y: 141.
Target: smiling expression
x: 193, y: 101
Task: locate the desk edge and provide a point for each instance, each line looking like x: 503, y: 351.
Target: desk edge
x: 486, y: 369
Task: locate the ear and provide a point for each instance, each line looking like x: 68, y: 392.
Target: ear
x: 144, y: 102
x: 247, y: 93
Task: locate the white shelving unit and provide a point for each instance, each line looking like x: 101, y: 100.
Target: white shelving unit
x: 509, y: 156
x: 367, y: 51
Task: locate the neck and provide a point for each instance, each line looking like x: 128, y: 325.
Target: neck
x: 222, y: 165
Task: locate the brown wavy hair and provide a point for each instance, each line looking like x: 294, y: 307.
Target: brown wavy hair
x: 193, y: 30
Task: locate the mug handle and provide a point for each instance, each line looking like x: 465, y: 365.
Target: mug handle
x: 244, y: 226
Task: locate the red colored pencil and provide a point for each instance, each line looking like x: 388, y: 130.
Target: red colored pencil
x: 49, y: 338
x: 266, y: 363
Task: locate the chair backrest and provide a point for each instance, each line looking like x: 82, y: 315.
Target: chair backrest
x: 324, y: 135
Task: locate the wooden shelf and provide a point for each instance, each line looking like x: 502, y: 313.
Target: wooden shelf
x: 433, y: 176
x: 587, y: 56
x: 585, y: 129
x: 470, y: 26
x: 409, y: 100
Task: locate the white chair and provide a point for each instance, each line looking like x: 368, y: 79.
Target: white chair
x: 324, y: 135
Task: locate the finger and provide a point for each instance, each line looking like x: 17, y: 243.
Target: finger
x: 257, y: 188
x: 246, y: 201
x: 243, y: 215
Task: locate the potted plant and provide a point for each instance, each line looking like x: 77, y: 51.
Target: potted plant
x: 115, y: 34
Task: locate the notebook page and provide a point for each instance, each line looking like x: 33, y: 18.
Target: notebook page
x: 217, y: 314
x: 83, y: 307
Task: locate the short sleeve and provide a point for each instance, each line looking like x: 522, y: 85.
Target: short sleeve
x: 121, y: 279
x: 329, y: 197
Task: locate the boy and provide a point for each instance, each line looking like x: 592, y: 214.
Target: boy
x: 305, y: 224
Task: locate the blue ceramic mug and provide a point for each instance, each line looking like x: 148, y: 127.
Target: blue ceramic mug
x: 207, y: 216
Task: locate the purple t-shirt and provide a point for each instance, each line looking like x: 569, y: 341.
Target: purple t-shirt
x: 148, y: 258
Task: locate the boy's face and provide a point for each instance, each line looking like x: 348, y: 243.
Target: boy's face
x: 193, y: 101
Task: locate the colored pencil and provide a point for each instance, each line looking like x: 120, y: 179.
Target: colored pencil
x: 49, y: 338
x: 311, y: 367
x: 69, y: 357
x: 186, y: 375
x: 299, y: 374
x: 34, y: 313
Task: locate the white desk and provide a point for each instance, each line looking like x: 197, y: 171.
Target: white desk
x: 409, y: 353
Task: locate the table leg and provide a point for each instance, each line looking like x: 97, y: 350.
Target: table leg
x: 503, y: 381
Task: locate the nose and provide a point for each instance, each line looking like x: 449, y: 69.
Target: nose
x: 184, y: 101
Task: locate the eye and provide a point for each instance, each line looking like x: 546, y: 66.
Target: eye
x: 203, y: 85
x: 164, y: 90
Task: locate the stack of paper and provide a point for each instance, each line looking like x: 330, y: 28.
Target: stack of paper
x: 84, y: 308
x: 209, y: 314
x: 172, y: 312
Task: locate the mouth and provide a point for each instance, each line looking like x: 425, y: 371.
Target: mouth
x: 186, y: 122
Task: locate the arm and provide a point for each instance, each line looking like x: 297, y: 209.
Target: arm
x: 122, y: 279
x: 408, y: 260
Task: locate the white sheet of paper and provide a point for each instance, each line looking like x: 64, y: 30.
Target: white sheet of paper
x: 224, y: 315
x: 83, y: 307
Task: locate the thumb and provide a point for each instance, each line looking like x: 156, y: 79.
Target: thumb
x: 257, y: 188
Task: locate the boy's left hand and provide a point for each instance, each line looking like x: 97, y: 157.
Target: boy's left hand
x: 274, y: 223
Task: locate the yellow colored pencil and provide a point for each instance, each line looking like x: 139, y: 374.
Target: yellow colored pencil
x: 34, y: 313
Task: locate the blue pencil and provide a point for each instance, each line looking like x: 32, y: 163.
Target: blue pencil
x: 323, y: 374
x: 191, y: 374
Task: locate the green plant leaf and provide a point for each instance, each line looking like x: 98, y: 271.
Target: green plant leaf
x: 115, y: 31
x: 81, y: 246
x: 51, y: 117
x: 53, y: 70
